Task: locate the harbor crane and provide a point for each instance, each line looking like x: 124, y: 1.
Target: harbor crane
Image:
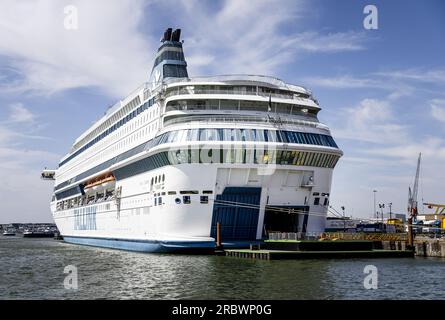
x: 412, y: 203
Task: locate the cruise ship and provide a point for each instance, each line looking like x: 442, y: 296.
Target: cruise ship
x: 180, y: 156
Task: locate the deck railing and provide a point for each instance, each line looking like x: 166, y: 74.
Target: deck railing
x: 242, y: 118
x: 182, y: 91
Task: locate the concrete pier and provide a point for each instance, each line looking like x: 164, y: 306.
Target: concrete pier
x: 281, y: 255
x: 425, y: 247
x: 293, y: 249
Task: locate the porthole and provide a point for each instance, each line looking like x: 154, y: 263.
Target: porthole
x: 178, y: 201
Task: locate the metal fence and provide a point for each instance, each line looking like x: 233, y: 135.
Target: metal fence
x: 337, y: 236
x: 294, y: 235
x: 365, y: 236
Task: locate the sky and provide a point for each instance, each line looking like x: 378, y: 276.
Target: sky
x: 382, y: 91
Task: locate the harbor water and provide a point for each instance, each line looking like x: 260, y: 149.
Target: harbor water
x: 34, y: 269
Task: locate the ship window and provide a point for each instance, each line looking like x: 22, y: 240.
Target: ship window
x: 204, y: 199
x: 162, y: 193
x: 192, y: 135
x: 207, y: 192
x: 178, y: 201
x: 186, y: 199
x: 189, y: 192
x: 172, y: 192
x: 326, y: 201
x: 316, y: 201
x: 160, y: 200
x: 172, y: 70
x: 308, y: 159
x: 156, y: 201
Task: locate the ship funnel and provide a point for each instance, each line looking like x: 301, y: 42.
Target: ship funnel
x: 176, y: 35
x: 167, y: 35
x: 169, y: 61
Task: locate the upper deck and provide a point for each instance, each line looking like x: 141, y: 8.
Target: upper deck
x: 225, y: 98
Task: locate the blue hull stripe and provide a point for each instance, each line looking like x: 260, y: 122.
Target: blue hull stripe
x: 143, y: 245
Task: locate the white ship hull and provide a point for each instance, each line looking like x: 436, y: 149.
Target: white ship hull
x: 140, y: 225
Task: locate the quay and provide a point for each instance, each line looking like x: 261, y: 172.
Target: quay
x: 295, y: 249
x: 281, y: 255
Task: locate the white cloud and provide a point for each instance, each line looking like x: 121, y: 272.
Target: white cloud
x: 255, y: 37
x: 107, y: 51
x: 438, y: 109
x: 23, y: 196
x: 6, y: 135
x: 110, y: 52
x: 381, y: 153
x: 19, y: 171
x: 371, y: 120
x: 398, y: 83
x: 20, y: 114
x: 332, y: 42
x: 422, y: 75
x: 343, y: 82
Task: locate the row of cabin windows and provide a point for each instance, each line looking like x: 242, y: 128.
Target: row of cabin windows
x: 111, y: 129
x: 182, y: 192
x: 241, y: 155
x: 252, y: 156
x: 185, y: 200
x: 257, y: 135
x: 240, y: 105
x: 228, y: 134
x: 125, y: 142
x: 123, y: 111
x: 86, y: 200
x: 109, y: 194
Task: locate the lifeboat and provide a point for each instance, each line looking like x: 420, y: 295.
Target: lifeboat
x: 48, y: 174
x: 102, y: 180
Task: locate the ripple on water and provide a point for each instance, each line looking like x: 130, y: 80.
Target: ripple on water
x: 33, y: 269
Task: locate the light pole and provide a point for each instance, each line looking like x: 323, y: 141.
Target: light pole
x: 344, y: 221
x: 375, y: 208
x: 390, y: 212
x: 382, y: 206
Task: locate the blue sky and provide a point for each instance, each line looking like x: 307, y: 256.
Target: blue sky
x: 382, y: 91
